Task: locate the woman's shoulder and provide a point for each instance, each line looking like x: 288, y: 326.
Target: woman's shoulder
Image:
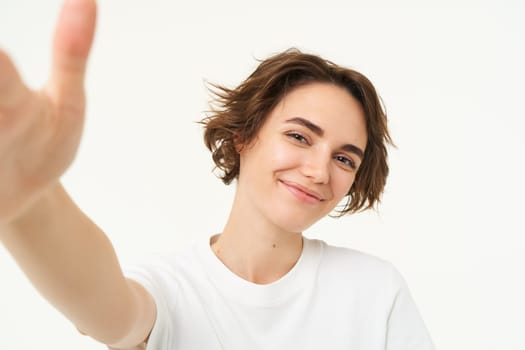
x: 352, y: 264
x: 348, y: 255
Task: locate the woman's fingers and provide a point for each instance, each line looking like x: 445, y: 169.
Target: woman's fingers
x: 73, y: 38
x: 12, y: 89
x: 72, y: 43
x: 40, y: 131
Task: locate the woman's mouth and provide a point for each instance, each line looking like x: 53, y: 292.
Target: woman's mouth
x: 302, y: 193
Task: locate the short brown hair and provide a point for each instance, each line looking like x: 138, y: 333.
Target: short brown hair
x: 237, y: 115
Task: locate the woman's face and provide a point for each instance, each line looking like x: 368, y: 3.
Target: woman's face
x: 305, y: 156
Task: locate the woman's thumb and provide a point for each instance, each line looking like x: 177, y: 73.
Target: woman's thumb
x: 72, y: 42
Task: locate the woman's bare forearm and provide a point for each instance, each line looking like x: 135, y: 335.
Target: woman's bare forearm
x: 63, y: 253
x: 74, y: 266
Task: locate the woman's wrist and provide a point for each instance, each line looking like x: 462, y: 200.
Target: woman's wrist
x: 35, y: 210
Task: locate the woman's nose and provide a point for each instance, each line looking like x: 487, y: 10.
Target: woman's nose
x: 316, y: 166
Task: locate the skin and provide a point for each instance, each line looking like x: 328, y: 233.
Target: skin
x: 72, y: 263
x: 262, y: 238
x: 68, y: 259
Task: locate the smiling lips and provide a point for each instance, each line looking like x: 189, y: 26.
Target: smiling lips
x: 302, y: 193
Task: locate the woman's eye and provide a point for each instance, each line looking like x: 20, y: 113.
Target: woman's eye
x: 346, y: 161
x: 298, y: 137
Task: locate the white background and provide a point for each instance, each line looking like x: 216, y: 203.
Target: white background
x: 451, y: 77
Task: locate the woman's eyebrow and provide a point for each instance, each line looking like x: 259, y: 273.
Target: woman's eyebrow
x: 316, y: 129
x: 304, y: 122
x: 354, y: 149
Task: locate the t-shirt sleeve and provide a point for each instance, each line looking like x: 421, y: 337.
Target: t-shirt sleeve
x: 406, y: 329
x: 151, y: 278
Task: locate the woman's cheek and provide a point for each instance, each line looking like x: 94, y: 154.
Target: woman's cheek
x: 283, y: 156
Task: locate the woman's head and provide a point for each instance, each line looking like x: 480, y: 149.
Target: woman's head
x: 238, y: 115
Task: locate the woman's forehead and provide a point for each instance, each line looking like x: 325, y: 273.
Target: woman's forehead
x: 327, y: 106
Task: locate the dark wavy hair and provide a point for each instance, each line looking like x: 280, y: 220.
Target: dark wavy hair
x: 237, y: 115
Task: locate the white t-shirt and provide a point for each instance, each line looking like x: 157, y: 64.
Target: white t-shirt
x: 333, y: 298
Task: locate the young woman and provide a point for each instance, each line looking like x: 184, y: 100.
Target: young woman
x: 298, y: 136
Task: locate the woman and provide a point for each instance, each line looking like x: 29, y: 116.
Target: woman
x: 298, y: 136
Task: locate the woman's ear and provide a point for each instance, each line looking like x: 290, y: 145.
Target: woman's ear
x: 239, y: 145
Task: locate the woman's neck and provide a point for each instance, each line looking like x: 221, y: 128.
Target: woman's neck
x: 255, y: 249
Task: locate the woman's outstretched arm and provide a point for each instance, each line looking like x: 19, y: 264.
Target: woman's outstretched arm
x: 63, y: 253
x: 73, y: 265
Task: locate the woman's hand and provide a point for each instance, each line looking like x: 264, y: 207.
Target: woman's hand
x: 40, y: 130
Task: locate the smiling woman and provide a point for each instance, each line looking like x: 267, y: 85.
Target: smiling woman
x: 298, y: 136
x: 240, y: 112
x: 315, y: 165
